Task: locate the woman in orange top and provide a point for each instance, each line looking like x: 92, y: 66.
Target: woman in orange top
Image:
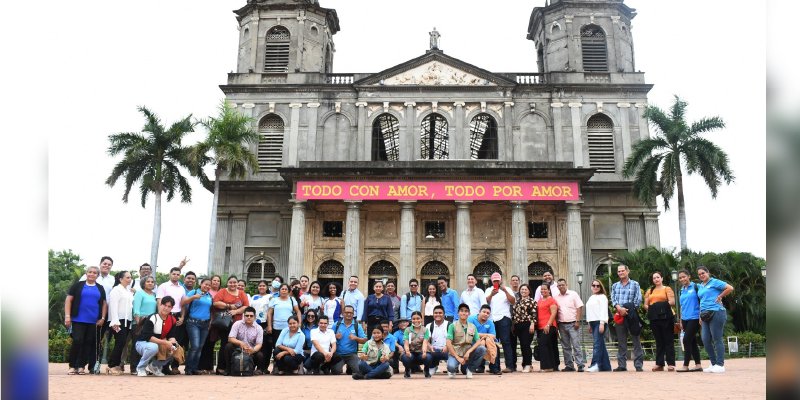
x: 547, y: 310
x: 658, y: 301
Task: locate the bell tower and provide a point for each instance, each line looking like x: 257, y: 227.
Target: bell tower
x: 286, y: 37
x: 588, y: 36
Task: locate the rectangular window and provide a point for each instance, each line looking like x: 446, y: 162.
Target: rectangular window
x: 332, y: 228
x: 434, y: 230
x: 537, y: 230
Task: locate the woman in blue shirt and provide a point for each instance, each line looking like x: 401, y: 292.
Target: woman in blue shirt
x: 289, y: 349
x: 377, y: 307
x: 712, y: 317
x: 309, y: 323
x: 199, y: 302
x: 690, y: 321
x: 84, y: 313
x: 280, y: 309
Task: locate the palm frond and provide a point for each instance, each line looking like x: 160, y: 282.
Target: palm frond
x: 640, y: 152
x: 706, y: 125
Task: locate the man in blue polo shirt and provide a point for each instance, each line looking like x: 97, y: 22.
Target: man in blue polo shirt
x: 486, y: 330
x: 450, y: 298
x: 349, y: 337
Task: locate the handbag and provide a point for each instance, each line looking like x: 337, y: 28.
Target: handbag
x: 222, y: 320
x: 706, y: 315
x: 536, y: 353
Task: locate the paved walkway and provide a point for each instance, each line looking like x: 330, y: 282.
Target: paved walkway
x: 744, y: 379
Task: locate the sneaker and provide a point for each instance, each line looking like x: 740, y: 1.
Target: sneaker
x: 358, y: 376
x: 141, y: 372
x: 451, y: 375
x: 407, y: 374
x: 526, y: 368
x: 432, y: 371
x: 717, y: 369
x: 593, y: 368
x: 580, y: 368
x: 509, y: 370
x: 301, y: 370
x: 639, y: 369
x: 710, y: 367
x: 620, y: 369
x: 568, y: 369
x: 469, y: 373
x: 155, y: 371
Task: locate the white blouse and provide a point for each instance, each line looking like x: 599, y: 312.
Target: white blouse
x: 597, y: 308
x: 120, y: 305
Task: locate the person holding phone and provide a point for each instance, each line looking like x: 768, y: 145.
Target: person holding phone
x: 500, y: 298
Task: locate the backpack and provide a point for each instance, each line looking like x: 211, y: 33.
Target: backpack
x: 241, y: 363
x: 336, y: 327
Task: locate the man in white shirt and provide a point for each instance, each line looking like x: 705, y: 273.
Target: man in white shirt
x: 323, y: 348
x: 473, y: 296
x: 548, y: 279
x: 438, y: 339
x: 106, y: 280
x: 500, y: 298
x: 570, y: 310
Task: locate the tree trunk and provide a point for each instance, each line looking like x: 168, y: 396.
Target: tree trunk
x: 212, y: 235
x: 156, y: 233
x: 681, y: 209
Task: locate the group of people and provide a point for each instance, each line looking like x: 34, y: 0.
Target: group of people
x: 302, y: 327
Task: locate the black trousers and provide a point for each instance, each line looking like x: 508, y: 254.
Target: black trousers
x: 665, y: 345
x: 287, y: 363
x: 227, y: 354
x: 317, y: 361
x: 268, y: 347
x: 84, y: 346
x: 548, y: 351
x: 181, y: 336
x: 222, y: 361
x: 691, y: 350
x: 120, y: 339
x: 523, y: 333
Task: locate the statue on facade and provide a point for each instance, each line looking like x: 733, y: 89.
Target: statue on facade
x: 434, y: 39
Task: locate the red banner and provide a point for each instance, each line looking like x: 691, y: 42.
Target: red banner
x: 460, y: 191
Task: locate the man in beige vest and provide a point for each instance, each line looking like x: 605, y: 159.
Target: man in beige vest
x: 463, y: 346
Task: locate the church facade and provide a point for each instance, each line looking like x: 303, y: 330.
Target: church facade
x: 435, y: 166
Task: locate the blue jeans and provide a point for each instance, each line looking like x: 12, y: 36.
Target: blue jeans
x: 415, y: 359
x: 375, y: 372
x: 198, y: 332
x: 472, y: 363
x: 436, y: 356
x: 599, y: 351
x: 503, y: 328
x: 148, y: 350
x: 712, y: 337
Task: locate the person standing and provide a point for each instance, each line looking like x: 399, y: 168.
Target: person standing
x: 450, y: 298
x: 597, y: 316
x: 546, y: 313
x: 713, y: 317
x: 690, y: 321
x: 120, y: 318
x: 570, y: 310
x: 106, y: 280
x: 463, y: 345
x: 353, y: 297
x: 626, y: 296
x: 332, y: 306
x: 280, y: 309
x: 189, y: 280
x: 473, y: 296
x: 377, y: 308
x: 311, y: 300
x: 305, y: 283
x: 658, y: 303
x: 551, y: 283
x: 429, y: 302
x: 391, y: 293
x: 524, y: 319
x: 515, y: 283
x: 199, y: 303
x: 85, y: 311
x: 174, y: 289
x: 411, y: 301
x: 501, y: 298
x: 144, y: 271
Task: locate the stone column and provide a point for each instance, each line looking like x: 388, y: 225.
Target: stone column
x: 365, y: 147
x: 588, y: 269
x: 558, y: 131
x: 644, y: 131
x: 297, y: 240
x: 574, y: 242
x: 573, y: 50
x: 238, y: 230
x: 220, y: 244
x: 624, y: 116
x: 577, y: 137
x: 352, y: 236
x: 409, y: 145
x: 254, y: 19
x: 408, y: 249
x: 651, y: 233
x: 309, y: 149
x: 504, y: 141
x: 461, y: 150
x: 463, y: 244
x: 284, y: 237
x: 290, y: 148
x: 519, y: 240
x: 633, y: 231
x: 301, y: 27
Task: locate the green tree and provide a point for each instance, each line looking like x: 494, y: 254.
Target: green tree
x: 64, y: 269
x: 226, y: 148
x: 676, y: 143
x: 152, y: 158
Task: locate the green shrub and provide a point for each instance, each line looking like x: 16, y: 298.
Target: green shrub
x: 58, y: 344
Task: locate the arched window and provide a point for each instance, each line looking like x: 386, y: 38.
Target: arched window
x: 535, y: 272
x: 260, y: 269
x: 270, y: 145
x: 385, y: 138
x: 483, y: 137
x: 330, y: 271
x: 379, y: 271
x: 594, y: 49
x: 434, y: 138
x: 276, y: 56
x: 483, y: 271
x: 600, y: 132
x: 430, y: 272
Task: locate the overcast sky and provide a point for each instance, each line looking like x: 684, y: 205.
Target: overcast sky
x: 109, y: 57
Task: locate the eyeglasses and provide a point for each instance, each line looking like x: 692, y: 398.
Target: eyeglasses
x: 413, y: 285
x: 593, y: 285
x: 249, y: 316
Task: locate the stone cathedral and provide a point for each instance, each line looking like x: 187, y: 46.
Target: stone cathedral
x: 435, y: 166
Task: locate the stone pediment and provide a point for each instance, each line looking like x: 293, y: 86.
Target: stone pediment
x: 436, y: 73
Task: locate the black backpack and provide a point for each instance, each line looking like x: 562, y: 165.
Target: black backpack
x: 241, y: 363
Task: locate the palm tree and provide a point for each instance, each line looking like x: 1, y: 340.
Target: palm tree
x: 226, y: 148
x: 152, y: 158
x: 676, y: 142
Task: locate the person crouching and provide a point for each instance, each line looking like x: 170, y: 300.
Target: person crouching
x: 157, y: 337
x: 375, y: 356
